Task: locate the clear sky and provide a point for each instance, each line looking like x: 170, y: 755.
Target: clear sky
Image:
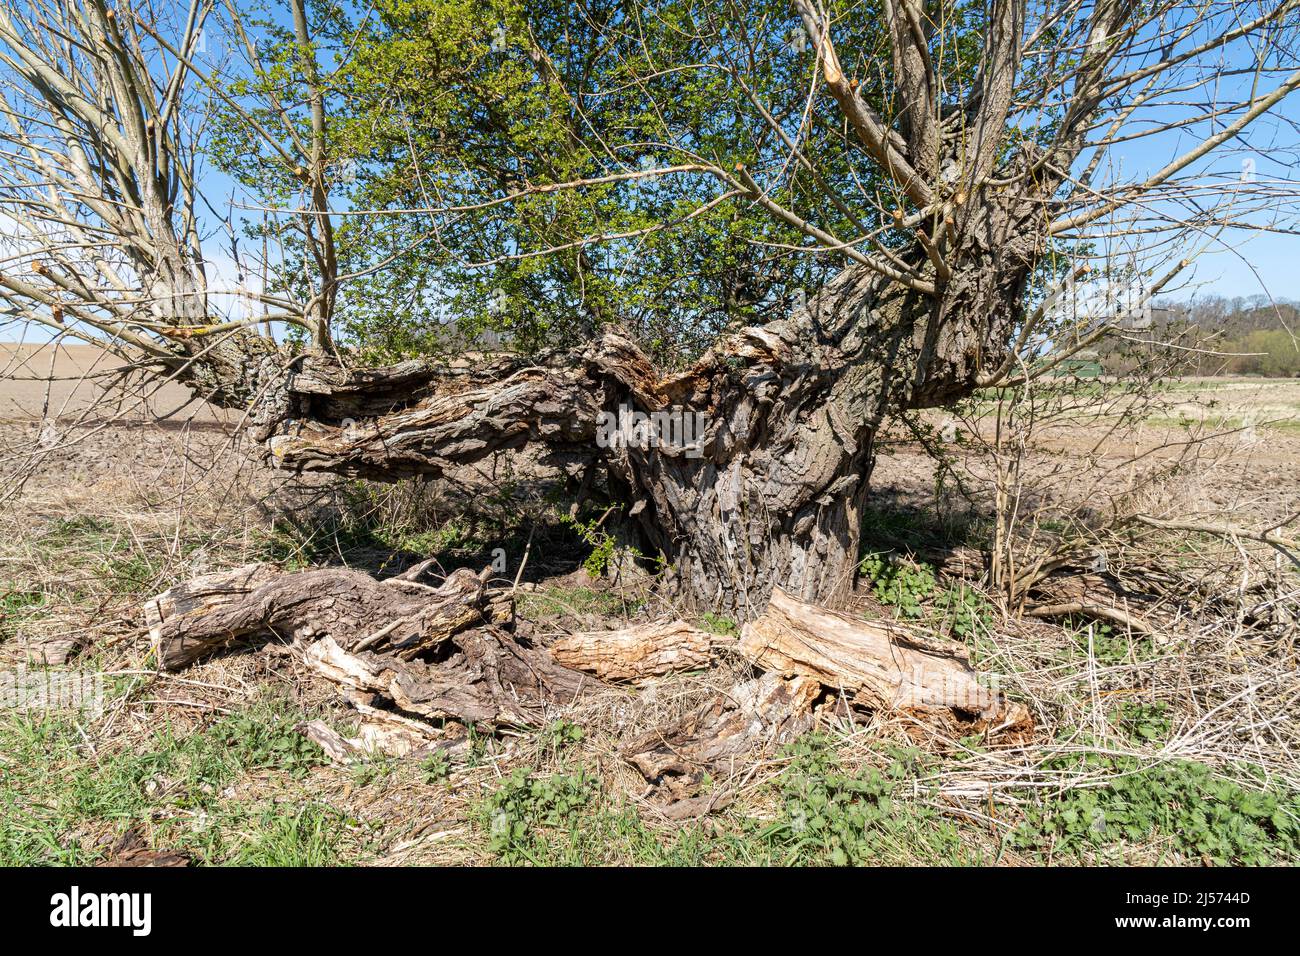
x: 1241, y: 262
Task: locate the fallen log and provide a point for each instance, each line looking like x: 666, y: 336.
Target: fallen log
x: 636, y: 653
x: 882, y: 666
x: 412, y: 657
x: 489, y: 681
x: 408, y: 618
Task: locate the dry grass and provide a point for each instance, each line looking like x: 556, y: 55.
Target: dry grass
x: 126, y: 513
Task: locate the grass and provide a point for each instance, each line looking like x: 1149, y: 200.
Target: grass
x: 1182, y: 809
x: 555, y: 601
x: 64, y: 803
x: 568, y: 820
x: 1226, y: 423
x: 888, y: 527
x: 831, y: 817
x: 246, y: 788
x: 818, y: 812
x: 1122, y: 769
x: 122, y: 563
x: 913, y: 591
x: 18, y: 606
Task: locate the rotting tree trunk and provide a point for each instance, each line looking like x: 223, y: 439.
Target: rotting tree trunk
x: 421, y: 664
x: 637, y: 653
x: 405, y: 617
x: 441, y: 653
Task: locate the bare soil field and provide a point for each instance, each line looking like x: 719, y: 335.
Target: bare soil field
x: 1171, y: 738
x: 67, y: 382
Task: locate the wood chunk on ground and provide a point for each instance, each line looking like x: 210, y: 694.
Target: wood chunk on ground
x: 132, y: 850
x: 374, y: 737
x: 879, y: 665
x: 261, y: 601
x: 491, y: 680
x: 43, y: 650
x: 636, y: 653
x: 722, y: 737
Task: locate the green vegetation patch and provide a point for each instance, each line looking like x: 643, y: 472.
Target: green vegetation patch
x: 62, y: 803
x: 1181, y: 804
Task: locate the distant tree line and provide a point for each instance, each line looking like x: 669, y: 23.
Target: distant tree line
x: 1251, y: 335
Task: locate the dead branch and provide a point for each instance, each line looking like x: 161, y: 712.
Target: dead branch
x: 1288, y: 546
x: 260, y: 601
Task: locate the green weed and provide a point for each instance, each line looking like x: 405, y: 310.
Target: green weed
x: 1198, y: 814
x: 829, y: 817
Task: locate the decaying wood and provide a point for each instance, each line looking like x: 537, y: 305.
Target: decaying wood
x: 420, y: 663
x: 1083, y: 609
x: 489, y: 680
x: 722, y: 737
x: 374, y: 736
x: 372, y: 638
x: 1100, y: 595
x: 43, y: 650
x: 883, y: 666
x: 261, y: 601
x: 132, y: 850
x: 636, y: 653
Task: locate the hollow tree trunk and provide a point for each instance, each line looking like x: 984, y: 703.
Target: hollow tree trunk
x: 772, y: 493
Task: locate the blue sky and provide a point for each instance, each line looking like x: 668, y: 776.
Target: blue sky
x: 1240, y: 264
x: 1246, y: 262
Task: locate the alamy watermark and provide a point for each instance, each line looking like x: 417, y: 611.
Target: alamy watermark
x: 1123, y: 302
x: 673, y: 428
x: 76, y: 908
x: 23, y: 689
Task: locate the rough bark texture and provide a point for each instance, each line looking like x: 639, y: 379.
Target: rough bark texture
x: 439, y: 653
x: 772, y: 493
x: 421, y: 663
x: 435, y: 652
x: 489, y: 681
x: 259, y: 601
x: 416, y: 419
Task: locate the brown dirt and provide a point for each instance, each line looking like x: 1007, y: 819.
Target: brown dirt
x: 72, y: 382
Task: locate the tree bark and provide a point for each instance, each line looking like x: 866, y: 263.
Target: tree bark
x: 771, y: 493
x: 637, y: 653
x: 405, y: 618
x: 422, y: 663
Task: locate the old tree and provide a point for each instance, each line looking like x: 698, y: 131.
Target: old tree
x: 923, y: 168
